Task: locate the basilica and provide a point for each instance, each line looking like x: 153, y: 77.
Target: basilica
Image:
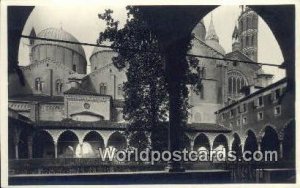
x: 59, y: 111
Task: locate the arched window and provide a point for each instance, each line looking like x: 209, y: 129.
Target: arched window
x: 236, y: 81
x: 233, y: 85
x: 254, y: 22
x: 103, y: 89
x: 241, y: 26
x: 120, y: 89
x: 238, y: 84
x: 58, y: 86
x: 74, y: 67
x: 230, y: 85
x: 202, y: 92
x: 38, y: 84
x: 245, y: 24
x: 250, y: 22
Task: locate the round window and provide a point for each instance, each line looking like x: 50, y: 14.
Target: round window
x: 86, y: 105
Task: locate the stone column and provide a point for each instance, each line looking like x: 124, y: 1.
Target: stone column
x: 29, y: 143
x: 16, y: 151
x: 280, y: 149
x: 81, y: 149
x: 242, y: 147
x: 128, y: 138
x: 55, y: 150
x: 175, y: 69
x: 259, y: 146
x: 148, y: 135
x: 192, y: 142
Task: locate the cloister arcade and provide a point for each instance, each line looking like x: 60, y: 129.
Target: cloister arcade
x: 73, y: 143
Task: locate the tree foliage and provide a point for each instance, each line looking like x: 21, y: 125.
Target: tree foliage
x: 146, y: 96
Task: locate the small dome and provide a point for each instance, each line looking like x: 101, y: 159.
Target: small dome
x: 59, y: 34
x: 101, y: 57
x: 200, y: 31
x: 215, y: 45
x: 100, y: 49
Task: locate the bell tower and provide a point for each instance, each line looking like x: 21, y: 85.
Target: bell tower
x: 248, y: 28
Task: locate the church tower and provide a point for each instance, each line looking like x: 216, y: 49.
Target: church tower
x: 247, y: 28
x: 31, y: 43
x: 236, y: 45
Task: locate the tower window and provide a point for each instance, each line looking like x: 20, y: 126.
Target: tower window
x: 58, y: 86
x: 230, y: 85
x: 260, y: 116
x: 202, y: 92
x: 38, y: 84
x: 120, y: 89
x: 250, y: 22
x: 238, y: 122
x: 245, y: 25
x: 223, y: 116
x: 260, y: 101
x: 74, y: 68
x: 231, y: 112
x: 103, y: 89
x: 277, y: 94
x: 277, y: 110
x: 254, y: 23
x: 241, y: 27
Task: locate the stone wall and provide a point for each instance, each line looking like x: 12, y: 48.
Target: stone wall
x: 100, y: 105
x: 60, y: 54
x: 108, y: 75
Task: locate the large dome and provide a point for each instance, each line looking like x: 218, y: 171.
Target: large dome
x: 70, y: 55
x: 59, y: 34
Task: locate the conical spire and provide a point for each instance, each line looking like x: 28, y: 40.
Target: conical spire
x: 236, y: 45
x: 235, y: 33
x: 211, y: 34
x: 32, y: 34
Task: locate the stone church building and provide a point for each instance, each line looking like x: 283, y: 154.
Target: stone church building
x: 60, y: 111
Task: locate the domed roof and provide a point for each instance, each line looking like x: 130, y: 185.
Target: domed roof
x: 100, y: 49
x: 200, y: 31
x: 215, y: 45
x: 59, y: 34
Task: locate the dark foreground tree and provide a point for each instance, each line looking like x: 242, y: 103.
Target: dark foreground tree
x: 146, y: 96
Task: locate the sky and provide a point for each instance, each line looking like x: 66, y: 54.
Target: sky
x: 84, y: 24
